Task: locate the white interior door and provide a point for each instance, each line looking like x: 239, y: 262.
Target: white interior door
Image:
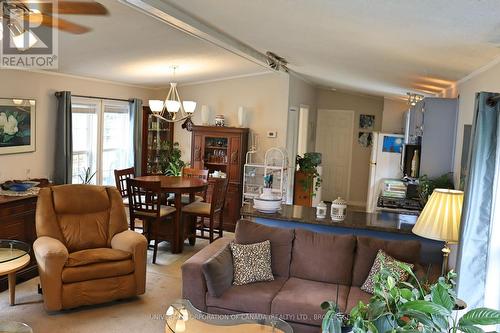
x: 334, y: 136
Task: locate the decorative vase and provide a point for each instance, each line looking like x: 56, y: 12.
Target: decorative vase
x: 338, y: 210
x: 205, y: 114
x: 241, y: 116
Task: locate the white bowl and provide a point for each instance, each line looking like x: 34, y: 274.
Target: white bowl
x: 266, y: 205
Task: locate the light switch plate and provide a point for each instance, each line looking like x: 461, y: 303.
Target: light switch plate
x: 272, y: 134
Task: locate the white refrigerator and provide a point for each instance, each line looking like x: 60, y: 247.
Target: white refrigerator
x: 385, y: 162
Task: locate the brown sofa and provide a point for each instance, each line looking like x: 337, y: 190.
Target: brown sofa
x: 308, y: 268
x: 85, y: 253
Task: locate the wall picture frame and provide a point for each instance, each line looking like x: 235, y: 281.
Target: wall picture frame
x: 366, y: 121
x: 17, y: 125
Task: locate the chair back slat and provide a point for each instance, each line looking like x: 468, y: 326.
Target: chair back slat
x: 197, y: 173
x: 218, y: 195
x: 144, y: 196
x: 121, y: 177
x: 191, y: 172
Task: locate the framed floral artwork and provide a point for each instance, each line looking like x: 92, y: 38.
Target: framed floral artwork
x: 17, y: 125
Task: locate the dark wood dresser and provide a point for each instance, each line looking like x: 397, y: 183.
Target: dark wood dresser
x: 17, y: 221
x: 222, y: 149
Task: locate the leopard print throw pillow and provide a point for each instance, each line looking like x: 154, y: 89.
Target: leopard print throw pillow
x: 385, y: 260
x: 251, y: 263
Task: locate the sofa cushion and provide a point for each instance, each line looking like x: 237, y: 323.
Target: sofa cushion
x: 366, y: 251
x: 281, y: 243
x: 299, y: 300
x: 251, y: 262
x: 356, y: 295
x: 249, y: 298
x: 383, y: 260
x: 93, y: 256
x: 218, y: 272
x: 97, y: 271
x: 322, y: 257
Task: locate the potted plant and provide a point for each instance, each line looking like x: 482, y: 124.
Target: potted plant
x: 334, y: 320
x: 170, y: 160
x: 416, y: 307
x: 308, y: 166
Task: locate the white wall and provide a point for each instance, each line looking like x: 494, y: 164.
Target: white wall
x: 41, y: 87
x: 265, y: 98
x: 393, y: 114
x: 301, y: 93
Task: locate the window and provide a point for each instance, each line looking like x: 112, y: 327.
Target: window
x: 101, y: 139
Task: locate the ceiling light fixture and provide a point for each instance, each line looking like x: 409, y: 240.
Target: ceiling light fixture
x: 413, y: 98
x: 173, y: 109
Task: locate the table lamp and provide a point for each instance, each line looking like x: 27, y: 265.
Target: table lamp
x: 440, y: 220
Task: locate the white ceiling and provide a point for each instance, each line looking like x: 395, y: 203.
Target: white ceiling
x: 130, y: 47
x: 384, y: 47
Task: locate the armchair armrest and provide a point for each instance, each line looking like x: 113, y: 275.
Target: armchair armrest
x: 135, y: 243
x: 51, y: 256
x: 194, y: 286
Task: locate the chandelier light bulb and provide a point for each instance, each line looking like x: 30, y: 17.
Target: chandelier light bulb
x: 156, y: 105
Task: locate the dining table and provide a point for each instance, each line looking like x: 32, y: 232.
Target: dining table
x: 178, y: 185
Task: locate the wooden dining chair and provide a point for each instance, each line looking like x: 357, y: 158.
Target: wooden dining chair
x: 208, y: 216
x: 195, y: 173
x: 145, y: 204
x: 121, y: 177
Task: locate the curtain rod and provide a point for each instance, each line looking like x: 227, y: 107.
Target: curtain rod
x: 108, y: 98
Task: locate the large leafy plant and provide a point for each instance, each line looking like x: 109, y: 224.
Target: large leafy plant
x: 416, y: 307
x: 170, y: 159
x: 309, y: 164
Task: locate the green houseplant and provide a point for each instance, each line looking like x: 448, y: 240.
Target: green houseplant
x: 427, y: 185
x: 308, y: 164
x: 170, y: 159
x: 87, y: 176
x: 416, y: 307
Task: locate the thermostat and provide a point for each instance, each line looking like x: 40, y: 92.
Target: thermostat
x: 272, y: 134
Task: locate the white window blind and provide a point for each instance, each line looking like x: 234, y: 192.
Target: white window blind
x: 101, y: 139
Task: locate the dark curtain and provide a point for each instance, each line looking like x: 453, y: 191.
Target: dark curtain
x: 136, y: 128
x: 477, y: 212
x: 64, y: 142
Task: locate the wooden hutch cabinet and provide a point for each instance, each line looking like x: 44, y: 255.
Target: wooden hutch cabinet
x: 222, y: 149
x: 154, y: 133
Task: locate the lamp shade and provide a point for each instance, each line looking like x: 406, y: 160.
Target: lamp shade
x: 156, y: 105
x: 440, y: 218
x: 172, y: 106
x: 189, y: 106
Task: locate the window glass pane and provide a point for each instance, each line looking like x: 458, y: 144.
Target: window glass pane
x: 116, y: 140
x: 84, y: 123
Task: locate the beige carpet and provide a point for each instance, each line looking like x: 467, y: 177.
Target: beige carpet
x: 139, y: 314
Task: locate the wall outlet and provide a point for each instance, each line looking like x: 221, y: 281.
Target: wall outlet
x: 272, y: 134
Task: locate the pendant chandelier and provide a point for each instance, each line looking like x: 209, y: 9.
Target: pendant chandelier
x: 173, y: 109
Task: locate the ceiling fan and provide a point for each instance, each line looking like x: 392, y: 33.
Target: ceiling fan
x: 43, y: 13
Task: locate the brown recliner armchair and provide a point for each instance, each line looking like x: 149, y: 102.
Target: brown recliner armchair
x: 85, y: 252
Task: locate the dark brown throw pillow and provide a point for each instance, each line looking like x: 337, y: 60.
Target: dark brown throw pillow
x: 218, y: 272
x: 384, y: 260
x: 251, y: 263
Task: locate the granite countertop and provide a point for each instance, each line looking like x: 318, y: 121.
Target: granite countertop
x: 380, y: 221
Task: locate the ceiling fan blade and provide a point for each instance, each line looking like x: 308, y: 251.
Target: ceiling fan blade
x: 64, y: 25
x: 75, y: 8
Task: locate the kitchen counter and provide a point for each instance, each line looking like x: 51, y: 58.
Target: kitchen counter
x: 357, y: 219
x: 391, y: 225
